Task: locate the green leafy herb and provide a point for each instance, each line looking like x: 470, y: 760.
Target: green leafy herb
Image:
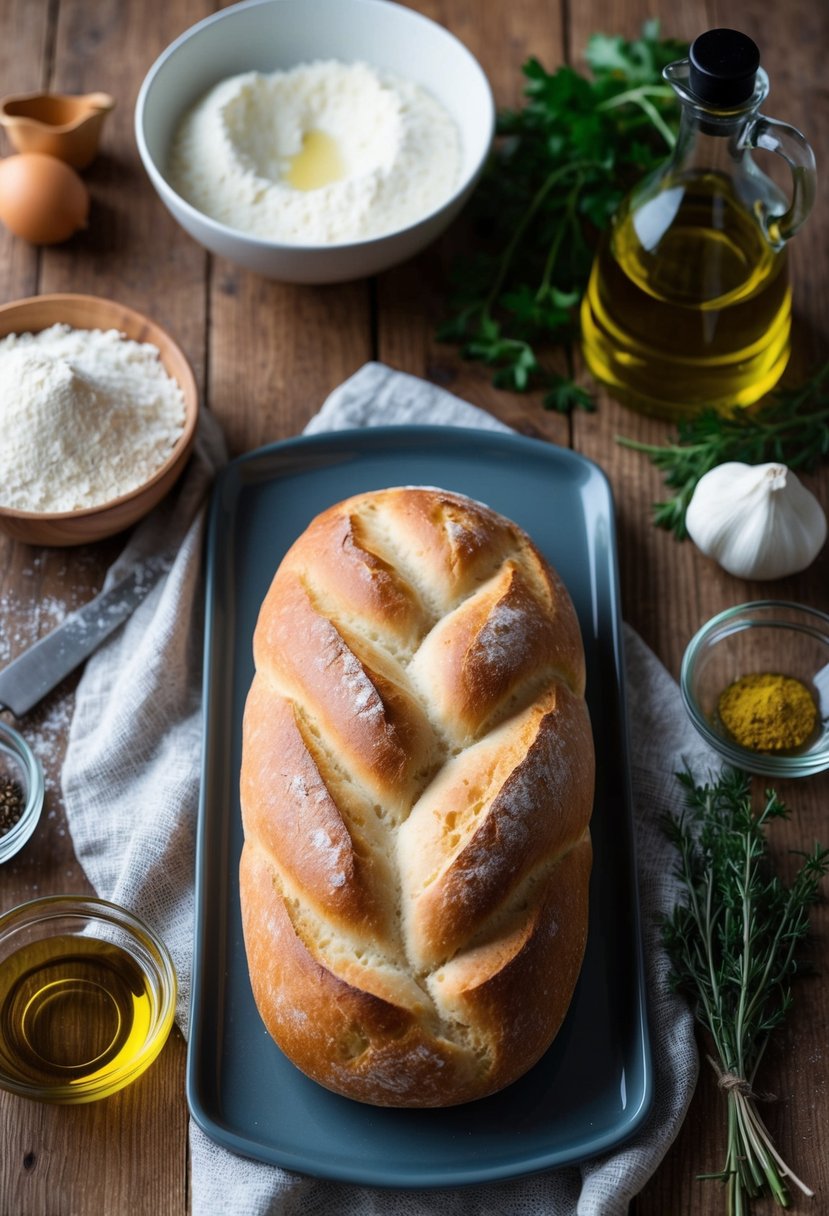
x: 566, y: 160
x: 792, y: 427
x: 732, y: 944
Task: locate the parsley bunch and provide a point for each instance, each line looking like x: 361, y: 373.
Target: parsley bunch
x: 792, y: 427
x: 733, y: 942
x: 566, y: 160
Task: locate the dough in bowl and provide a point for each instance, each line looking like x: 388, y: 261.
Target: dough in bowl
x: 416, y: 787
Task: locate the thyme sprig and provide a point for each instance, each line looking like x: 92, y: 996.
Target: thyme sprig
x: 791, y: 427
x: 733, y: 941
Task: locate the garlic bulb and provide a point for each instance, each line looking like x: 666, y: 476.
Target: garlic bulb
x: 757, y: 521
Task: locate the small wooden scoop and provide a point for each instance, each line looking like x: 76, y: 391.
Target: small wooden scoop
x: 68, y: 127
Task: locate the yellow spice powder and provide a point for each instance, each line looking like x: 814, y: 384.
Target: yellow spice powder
x: 768, y: 712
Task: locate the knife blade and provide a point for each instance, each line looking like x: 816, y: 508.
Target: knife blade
x: 35, y: 672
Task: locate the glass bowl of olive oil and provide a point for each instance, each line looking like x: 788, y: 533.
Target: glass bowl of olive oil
x: 21, y: 791
x: 755, y: 683
x: 87, y: 998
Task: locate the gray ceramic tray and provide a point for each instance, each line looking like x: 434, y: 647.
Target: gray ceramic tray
x: 592, y: 1088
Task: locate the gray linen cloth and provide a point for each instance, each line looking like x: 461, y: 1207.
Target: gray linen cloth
x: 131, y: 780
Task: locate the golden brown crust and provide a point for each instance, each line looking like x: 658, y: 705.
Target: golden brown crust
x: 457, y: 875
x: 288, y: 809
x: 416, y: 785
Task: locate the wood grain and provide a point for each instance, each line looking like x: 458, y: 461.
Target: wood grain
x: 265, y: 356
x: 669, y: 590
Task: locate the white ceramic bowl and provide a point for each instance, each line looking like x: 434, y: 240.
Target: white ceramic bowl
x: 270, y: 35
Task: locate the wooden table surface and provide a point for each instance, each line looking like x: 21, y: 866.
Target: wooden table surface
x: 265, y: 356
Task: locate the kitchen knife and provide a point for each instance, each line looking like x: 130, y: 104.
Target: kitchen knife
x: 35, y: 672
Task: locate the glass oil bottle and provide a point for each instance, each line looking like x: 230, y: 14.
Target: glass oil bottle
x: 689, y: 301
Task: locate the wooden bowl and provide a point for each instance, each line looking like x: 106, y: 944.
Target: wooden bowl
x: 94, y: 523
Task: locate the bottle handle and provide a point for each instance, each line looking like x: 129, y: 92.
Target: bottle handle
x: 786, y: 141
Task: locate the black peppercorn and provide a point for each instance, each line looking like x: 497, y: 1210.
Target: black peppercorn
x: 12, y: 803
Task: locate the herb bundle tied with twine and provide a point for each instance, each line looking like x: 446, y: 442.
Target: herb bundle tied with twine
x: 733, y: 943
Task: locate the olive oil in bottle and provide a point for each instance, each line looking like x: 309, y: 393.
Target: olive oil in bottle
x: 689, y: 304
x: 72, y: 1008
x: 699, y: 316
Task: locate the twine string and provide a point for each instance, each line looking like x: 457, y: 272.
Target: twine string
x: 732, y: 1083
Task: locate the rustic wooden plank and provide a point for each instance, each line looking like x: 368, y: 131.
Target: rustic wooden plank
x: 132, y: 250
x: 637, y: 484
x: 793, y: 51
x: 651, y: 563
x: 25, y: 33
x: 277, y: 349
x: 670, y: 589
x: 33, y: 592
x: 266, y: 354
x: 125, y: 1154
x: 412, y: 299
x: 128, y: 1153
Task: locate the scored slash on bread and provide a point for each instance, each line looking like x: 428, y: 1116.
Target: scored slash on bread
x: 416, y: 787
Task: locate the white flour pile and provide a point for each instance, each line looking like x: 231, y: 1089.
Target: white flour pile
x: 85, y: 416
x: 399, y: 148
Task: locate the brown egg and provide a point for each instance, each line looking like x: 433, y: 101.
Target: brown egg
x: 42, y: 199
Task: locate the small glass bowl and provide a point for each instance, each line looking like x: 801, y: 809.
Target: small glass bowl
x: 764, y: 636
x: 87, y: 998
x: 20, y: 765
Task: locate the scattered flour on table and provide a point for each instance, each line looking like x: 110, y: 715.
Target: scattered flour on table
x: 85, y: 416
x: 24, y: 618
x: 21, y: 624
x: 398, y: 149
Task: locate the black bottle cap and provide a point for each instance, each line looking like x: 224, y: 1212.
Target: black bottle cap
x: 724, y: 64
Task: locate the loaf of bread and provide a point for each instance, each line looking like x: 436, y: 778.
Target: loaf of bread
x: 416, y: 788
